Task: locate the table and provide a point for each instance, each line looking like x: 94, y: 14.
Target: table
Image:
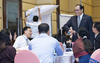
x: 68, y: 57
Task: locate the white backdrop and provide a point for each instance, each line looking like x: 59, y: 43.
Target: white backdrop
x: 46, y: 14
x: 64, y: 19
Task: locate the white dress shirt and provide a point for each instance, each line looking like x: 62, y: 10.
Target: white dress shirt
x: 21, y: 43
x: 44, y: 47
x: 79, y: 19
x: 34, y: 27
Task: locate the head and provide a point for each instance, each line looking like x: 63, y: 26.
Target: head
x: 79, y: 9
x: 65, y: 30
x: 3, y: 40
x: 82, y: 33
x: 27, y: 32
x: 7, y: 33
x: 35, y: 19
x: 96, y: 27
x: 43, y: 28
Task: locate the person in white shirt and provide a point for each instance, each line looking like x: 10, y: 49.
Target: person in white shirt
x: 45, y: 46
x: 34, y: 24
x: 22, y: 42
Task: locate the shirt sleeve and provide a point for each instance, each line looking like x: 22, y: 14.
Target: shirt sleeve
x: 16, y: 43
x: 58, y: 49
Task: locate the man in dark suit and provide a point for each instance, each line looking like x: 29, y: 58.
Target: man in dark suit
x: 96, y: 30
x: 80, y: 20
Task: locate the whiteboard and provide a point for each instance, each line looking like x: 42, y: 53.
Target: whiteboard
x: 64, y: 19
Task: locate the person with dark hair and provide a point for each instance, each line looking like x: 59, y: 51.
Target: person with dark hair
x: 82, y: 47
x: 80, y: 20
x: 22, y: 42
x: 7, y: 33
x: 7, y: 53
x: 11, y: 35
x: 96, y: 30
x: 44, y: 46
x: 34, y: 24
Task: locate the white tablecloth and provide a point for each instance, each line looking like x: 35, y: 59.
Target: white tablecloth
x: 68, y: 57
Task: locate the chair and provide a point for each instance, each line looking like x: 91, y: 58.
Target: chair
x: 26, y: 57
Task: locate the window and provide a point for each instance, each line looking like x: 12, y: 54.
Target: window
x: 12, y: 15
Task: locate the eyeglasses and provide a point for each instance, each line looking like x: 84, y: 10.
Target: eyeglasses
x: 77, y: 10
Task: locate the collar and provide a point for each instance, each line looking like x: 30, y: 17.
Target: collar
x: 25, y: 36
x: 81, y: 16
x: 96, y: 35
x: 43, y: 35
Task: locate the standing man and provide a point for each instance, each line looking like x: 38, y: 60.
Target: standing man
x: 34, y: 24
x: 45, y: 46
x: 22, y: 42
x: 80, y: 20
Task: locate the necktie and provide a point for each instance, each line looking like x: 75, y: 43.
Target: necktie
x: 79, y: 21
x: 29, y: 45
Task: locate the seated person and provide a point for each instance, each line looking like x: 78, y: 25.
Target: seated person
x: 82, y: 47
x: 45, y: 46
x: 22, y: 42
x: 96, y: 30
x: 95, y: 57
x: 7, y: 53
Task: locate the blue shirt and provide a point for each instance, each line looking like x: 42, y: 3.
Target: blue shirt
x: 44, y: 47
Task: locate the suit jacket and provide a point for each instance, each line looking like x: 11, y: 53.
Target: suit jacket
x: 86, y: 22
x: 97, y: 42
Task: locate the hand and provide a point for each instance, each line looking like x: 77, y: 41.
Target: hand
x: 77, y: 60
x: 72, y: 31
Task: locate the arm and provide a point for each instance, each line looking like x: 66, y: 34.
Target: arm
x: 58, y: 49
x: 40, y: 18
x: 91, y: 35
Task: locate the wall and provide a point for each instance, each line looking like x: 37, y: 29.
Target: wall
x: 96, y: 10
x: 1, y: 15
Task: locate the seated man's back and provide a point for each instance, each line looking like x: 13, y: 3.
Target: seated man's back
x: 44, y: 47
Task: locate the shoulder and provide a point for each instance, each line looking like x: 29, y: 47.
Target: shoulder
x: 73, y: 17
x: 53, y: 39
x: 19, y: 37
x: 10, y: 48
x: 87, y: 16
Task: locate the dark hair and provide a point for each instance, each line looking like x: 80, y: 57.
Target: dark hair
x: 97, y: 26
x: 4, y: 39
x: 43, y: 28
x: 25, y: 28
x: 35, y: 18
x: 6, y: 32
x: 65, y: 29
x: 81, y: 6
x: 83, y: 32
x: 87, y: 43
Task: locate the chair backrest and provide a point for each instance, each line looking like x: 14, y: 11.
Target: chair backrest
x: 96, y: 55
x: 26, y: 57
